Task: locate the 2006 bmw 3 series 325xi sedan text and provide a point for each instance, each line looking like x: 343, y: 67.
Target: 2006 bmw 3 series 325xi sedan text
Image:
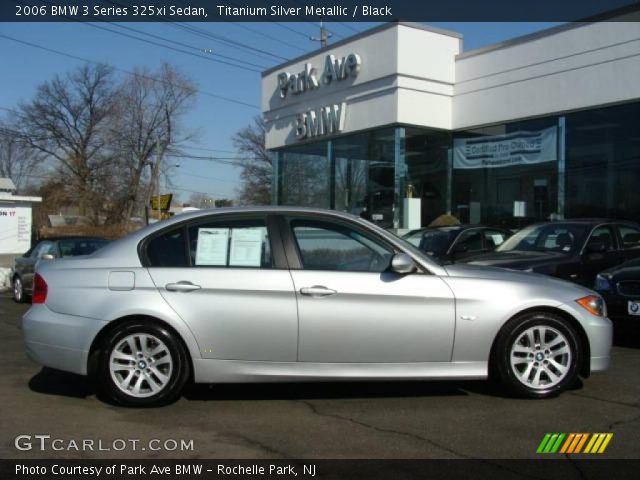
x: 290, y: 294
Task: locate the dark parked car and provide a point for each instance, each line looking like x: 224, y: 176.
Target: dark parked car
x: 449, y: 244
x: 620, y: 287
x: 575, y: 250
x: 48, y: 249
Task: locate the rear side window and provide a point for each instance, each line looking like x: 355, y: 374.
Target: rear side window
x: 231, y: 244
x: 168, y: 249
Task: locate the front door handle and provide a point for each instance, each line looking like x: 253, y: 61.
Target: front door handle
x: 317, y: 291
x: 182, y: 286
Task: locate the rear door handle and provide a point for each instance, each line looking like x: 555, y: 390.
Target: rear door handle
x: 182, y: 286
x: 317, y: 291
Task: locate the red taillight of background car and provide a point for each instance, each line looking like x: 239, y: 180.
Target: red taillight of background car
x: 39, y: 289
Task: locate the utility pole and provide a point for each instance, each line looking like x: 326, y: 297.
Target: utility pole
x: 324, y: 35
x: 158, y: 174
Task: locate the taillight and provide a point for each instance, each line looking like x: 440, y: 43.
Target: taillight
x: 39, y: 289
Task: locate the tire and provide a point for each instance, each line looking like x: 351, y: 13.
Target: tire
x: 18, y: 290
x: 537, y: 355
x: 142, y: 364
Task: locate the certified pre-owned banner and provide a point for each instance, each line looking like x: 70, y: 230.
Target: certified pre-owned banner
x: 496, y: 151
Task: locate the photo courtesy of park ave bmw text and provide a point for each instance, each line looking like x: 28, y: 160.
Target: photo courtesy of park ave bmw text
x: 320, y: 239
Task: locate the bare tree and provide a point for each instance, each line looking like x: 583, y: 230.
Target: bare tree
x: 18, y: 161
x: 257, y: 171
x: 147, y: 125
x: 66, y: 120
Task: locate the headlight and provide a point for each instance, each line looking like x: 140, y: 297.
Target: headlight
x: 602, y: 284
x: 593, y: 304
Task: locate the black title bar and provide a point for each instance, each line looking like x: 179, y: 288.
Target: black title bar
x: 316, y: 10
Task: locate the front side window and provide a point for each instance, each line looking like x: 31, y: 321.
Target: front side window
x: 230, y: 244
x: 469, y: 241
x: 630, y: 236
x: 555, y: 237
x: 603, y: 235
x: 329, y: 246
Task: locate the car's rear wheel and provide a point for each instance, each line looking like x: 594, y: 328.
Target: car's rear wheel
x: 143, y: 364
x: 18, y: 290
x: 538, y: 355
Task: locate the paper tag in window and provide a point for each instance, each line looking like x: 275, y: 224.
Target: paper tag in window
x: 213, y: 244
x: 246, y: 247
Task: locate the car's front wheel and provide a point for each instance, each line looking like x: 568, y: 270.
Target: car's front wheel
x: 538, y: 355
x: 143, y: 364
x: 18, y: 290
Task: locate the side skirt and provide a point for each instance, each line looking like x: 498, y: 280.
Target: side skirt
x: 242, y: 371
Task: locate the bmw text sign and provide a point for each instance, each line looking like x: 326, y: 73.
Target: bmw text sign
x: 324, y: 120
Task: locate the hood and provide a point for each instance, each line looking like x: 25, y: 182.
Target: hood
x: 503, y: 274
x: 626, y: 271
x: 517, y: 259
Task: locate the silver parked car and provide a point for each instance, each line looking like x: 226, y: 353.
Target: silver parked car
x: 291, y: 294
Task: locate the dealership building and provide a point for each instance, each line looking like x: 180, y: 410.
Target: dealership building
x: 400, y: 125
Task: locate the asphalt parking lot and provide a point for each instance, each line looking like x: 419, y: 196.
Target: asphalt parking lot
x: 337, y: 420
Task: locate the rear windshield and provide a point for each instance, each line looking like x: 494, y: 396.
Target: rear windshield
x: 81, y: 246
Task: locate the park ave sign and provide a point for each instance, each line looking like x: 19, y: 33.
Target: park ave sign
x: 324, y: 120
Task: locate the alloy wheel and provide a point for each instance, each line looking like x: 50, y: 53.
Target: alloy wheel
x: 17, y: 289
x: 540, y: 357
x: 141, y: 365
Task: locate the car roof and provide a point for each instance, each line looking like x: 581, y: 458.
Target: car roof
x: 462, y: 226
x: 586, y: 221
x: 70, y: 237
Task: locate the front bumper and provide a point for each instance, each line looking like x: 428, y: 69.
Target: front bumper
x: 59, y: 341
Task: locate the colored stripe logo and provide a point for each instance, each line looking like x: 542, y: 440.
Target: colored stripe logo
x: 573, y: 443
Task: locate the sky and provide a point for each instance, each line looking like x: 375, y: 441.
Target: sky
x: 213, y: 120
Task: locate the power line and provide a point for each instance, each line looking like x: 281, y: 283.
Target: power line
x: 140, y: 75
x: 233, y: 43
x: 271, y: 37
x: 188, y: 46
x: 186, y: 52
x: 209, y: 149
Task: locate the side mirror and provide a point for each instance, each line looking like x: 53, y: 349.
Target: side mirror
x: 596, y: 247
x: 47, y: 256
x: 403, y: 264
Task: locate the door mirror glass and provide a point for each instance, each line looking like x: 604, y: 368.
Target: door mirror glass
x: 48, y: 256
x: 403, y: 264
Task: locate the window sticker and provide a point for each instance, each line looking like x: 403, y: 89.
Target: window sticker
x: 213, y: 244
x: 497, y: 239
x: 246, y: 247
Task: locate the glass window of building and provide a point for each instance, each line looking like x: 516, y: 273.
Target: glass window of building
x: 506, y: 174
x: 304, y: 175
x: 364, y: 175
x: 603, y: 163
x: 426, y: 159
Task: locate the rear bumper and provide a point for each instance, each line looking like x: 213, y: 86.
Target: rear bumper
x: 59, y: 341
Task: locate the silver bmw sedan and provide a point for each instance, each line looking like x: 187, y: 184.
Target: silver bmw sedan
x: 276, y: 294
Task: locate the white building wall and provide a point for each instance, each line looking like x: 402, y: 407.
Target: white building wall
x: 406, y: 76
x: 417, y: 76
x: 577, y: 68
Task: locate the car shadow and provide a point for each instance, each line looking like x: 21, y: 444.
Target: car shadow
x: 323, y: 390
x: 626, y: 335
x: 55, y: 382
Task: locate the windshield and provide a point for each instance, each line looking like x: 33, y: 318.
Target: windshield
x: 83, y: 246
x: 434, y: 242
x: 551, y: 237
